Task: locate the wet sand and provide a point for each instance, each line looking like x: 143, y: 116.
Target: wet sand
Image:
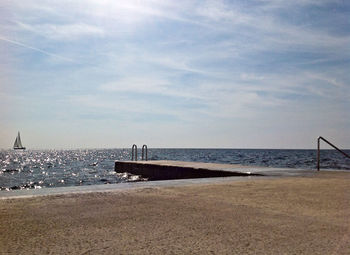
x: 294, y: 215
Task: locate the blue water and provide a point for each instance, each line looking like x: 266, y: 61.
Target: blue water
x: 57, y: 168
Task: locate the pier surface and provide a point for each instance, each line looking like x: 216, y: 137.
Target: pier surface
x: 168, y: 170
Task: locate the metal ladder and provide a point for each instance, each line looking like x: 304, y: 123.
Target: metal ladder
x: 318, y: 150
x: 134, y: 152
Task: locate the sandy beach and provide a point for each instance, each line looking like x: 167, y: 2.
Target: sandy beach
x: 295, y: 215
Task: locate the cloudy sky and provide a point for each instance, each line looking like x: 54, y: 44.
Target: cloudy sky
x: 230, y: 74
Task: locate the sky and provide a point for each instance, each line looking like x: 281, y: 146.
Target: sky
x: 174, y: 74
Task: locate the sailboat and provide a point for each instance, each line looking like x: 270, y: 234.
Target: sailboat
x: 18, y: 144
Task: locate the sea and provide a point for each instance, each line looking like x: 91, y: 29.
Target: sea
x: 35, y: 169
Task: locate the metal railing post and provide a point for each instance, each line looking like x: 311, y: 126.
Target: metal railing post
x: 318, y: 150
x: 318, y: 153
x: 134, y: 153
x: 144, y: 149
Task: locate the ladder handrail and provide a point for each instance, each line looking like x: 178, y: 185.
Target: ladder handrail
x: 144, y: 148
x: 134, y: 146
x: 318, y: 150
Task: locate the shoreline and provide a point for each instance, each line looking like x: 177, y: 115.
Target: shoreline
x: 303, y: 215
x: 118, y: 187
x: 49, y: 191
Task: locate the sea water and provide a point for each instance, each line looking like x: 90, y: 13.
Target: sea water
x: 57, y: 168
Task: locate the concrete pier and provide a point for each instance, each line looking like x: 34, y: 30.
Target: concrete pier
x: 168, y: 170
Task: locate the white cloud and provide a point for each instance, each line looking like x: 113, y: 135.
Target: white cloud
x: 218, y: 11
x: 269, y: 4
x: 63, y: 32
x: 120, y: 105
x: 148, y: 85
x: 324, y: 78
x: 35, y: 49
x: 136, y: 85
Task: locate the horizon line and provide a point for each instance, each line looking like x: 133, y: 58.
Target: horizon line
x: 183, y: 148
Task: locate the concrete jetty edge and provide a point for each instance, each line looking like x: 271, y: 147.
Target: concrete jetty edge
x: 169, y: 170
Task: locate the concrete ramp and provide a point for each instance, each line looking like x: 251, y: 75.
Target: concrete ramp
x: 168, y: 170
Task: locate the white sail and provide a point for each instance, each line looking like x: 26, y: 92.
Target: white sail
x: 18, y: 143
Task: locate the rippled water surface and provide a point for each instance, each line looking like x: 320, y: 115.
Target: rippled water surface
x: 57, y: 168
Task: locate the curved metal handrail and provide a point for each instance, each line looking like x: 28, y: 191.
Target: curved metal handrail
x: 144, y: 149
x: 134, y: 152
x: 318, y: 150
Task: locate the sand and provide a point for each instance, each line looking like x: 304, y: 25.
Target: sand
x: 297, y: 215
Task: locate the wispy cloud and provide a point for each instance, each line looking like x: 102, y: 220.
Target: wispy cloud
x: 149, y: 86
x: 67, y: 32
x: 35, y: 49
